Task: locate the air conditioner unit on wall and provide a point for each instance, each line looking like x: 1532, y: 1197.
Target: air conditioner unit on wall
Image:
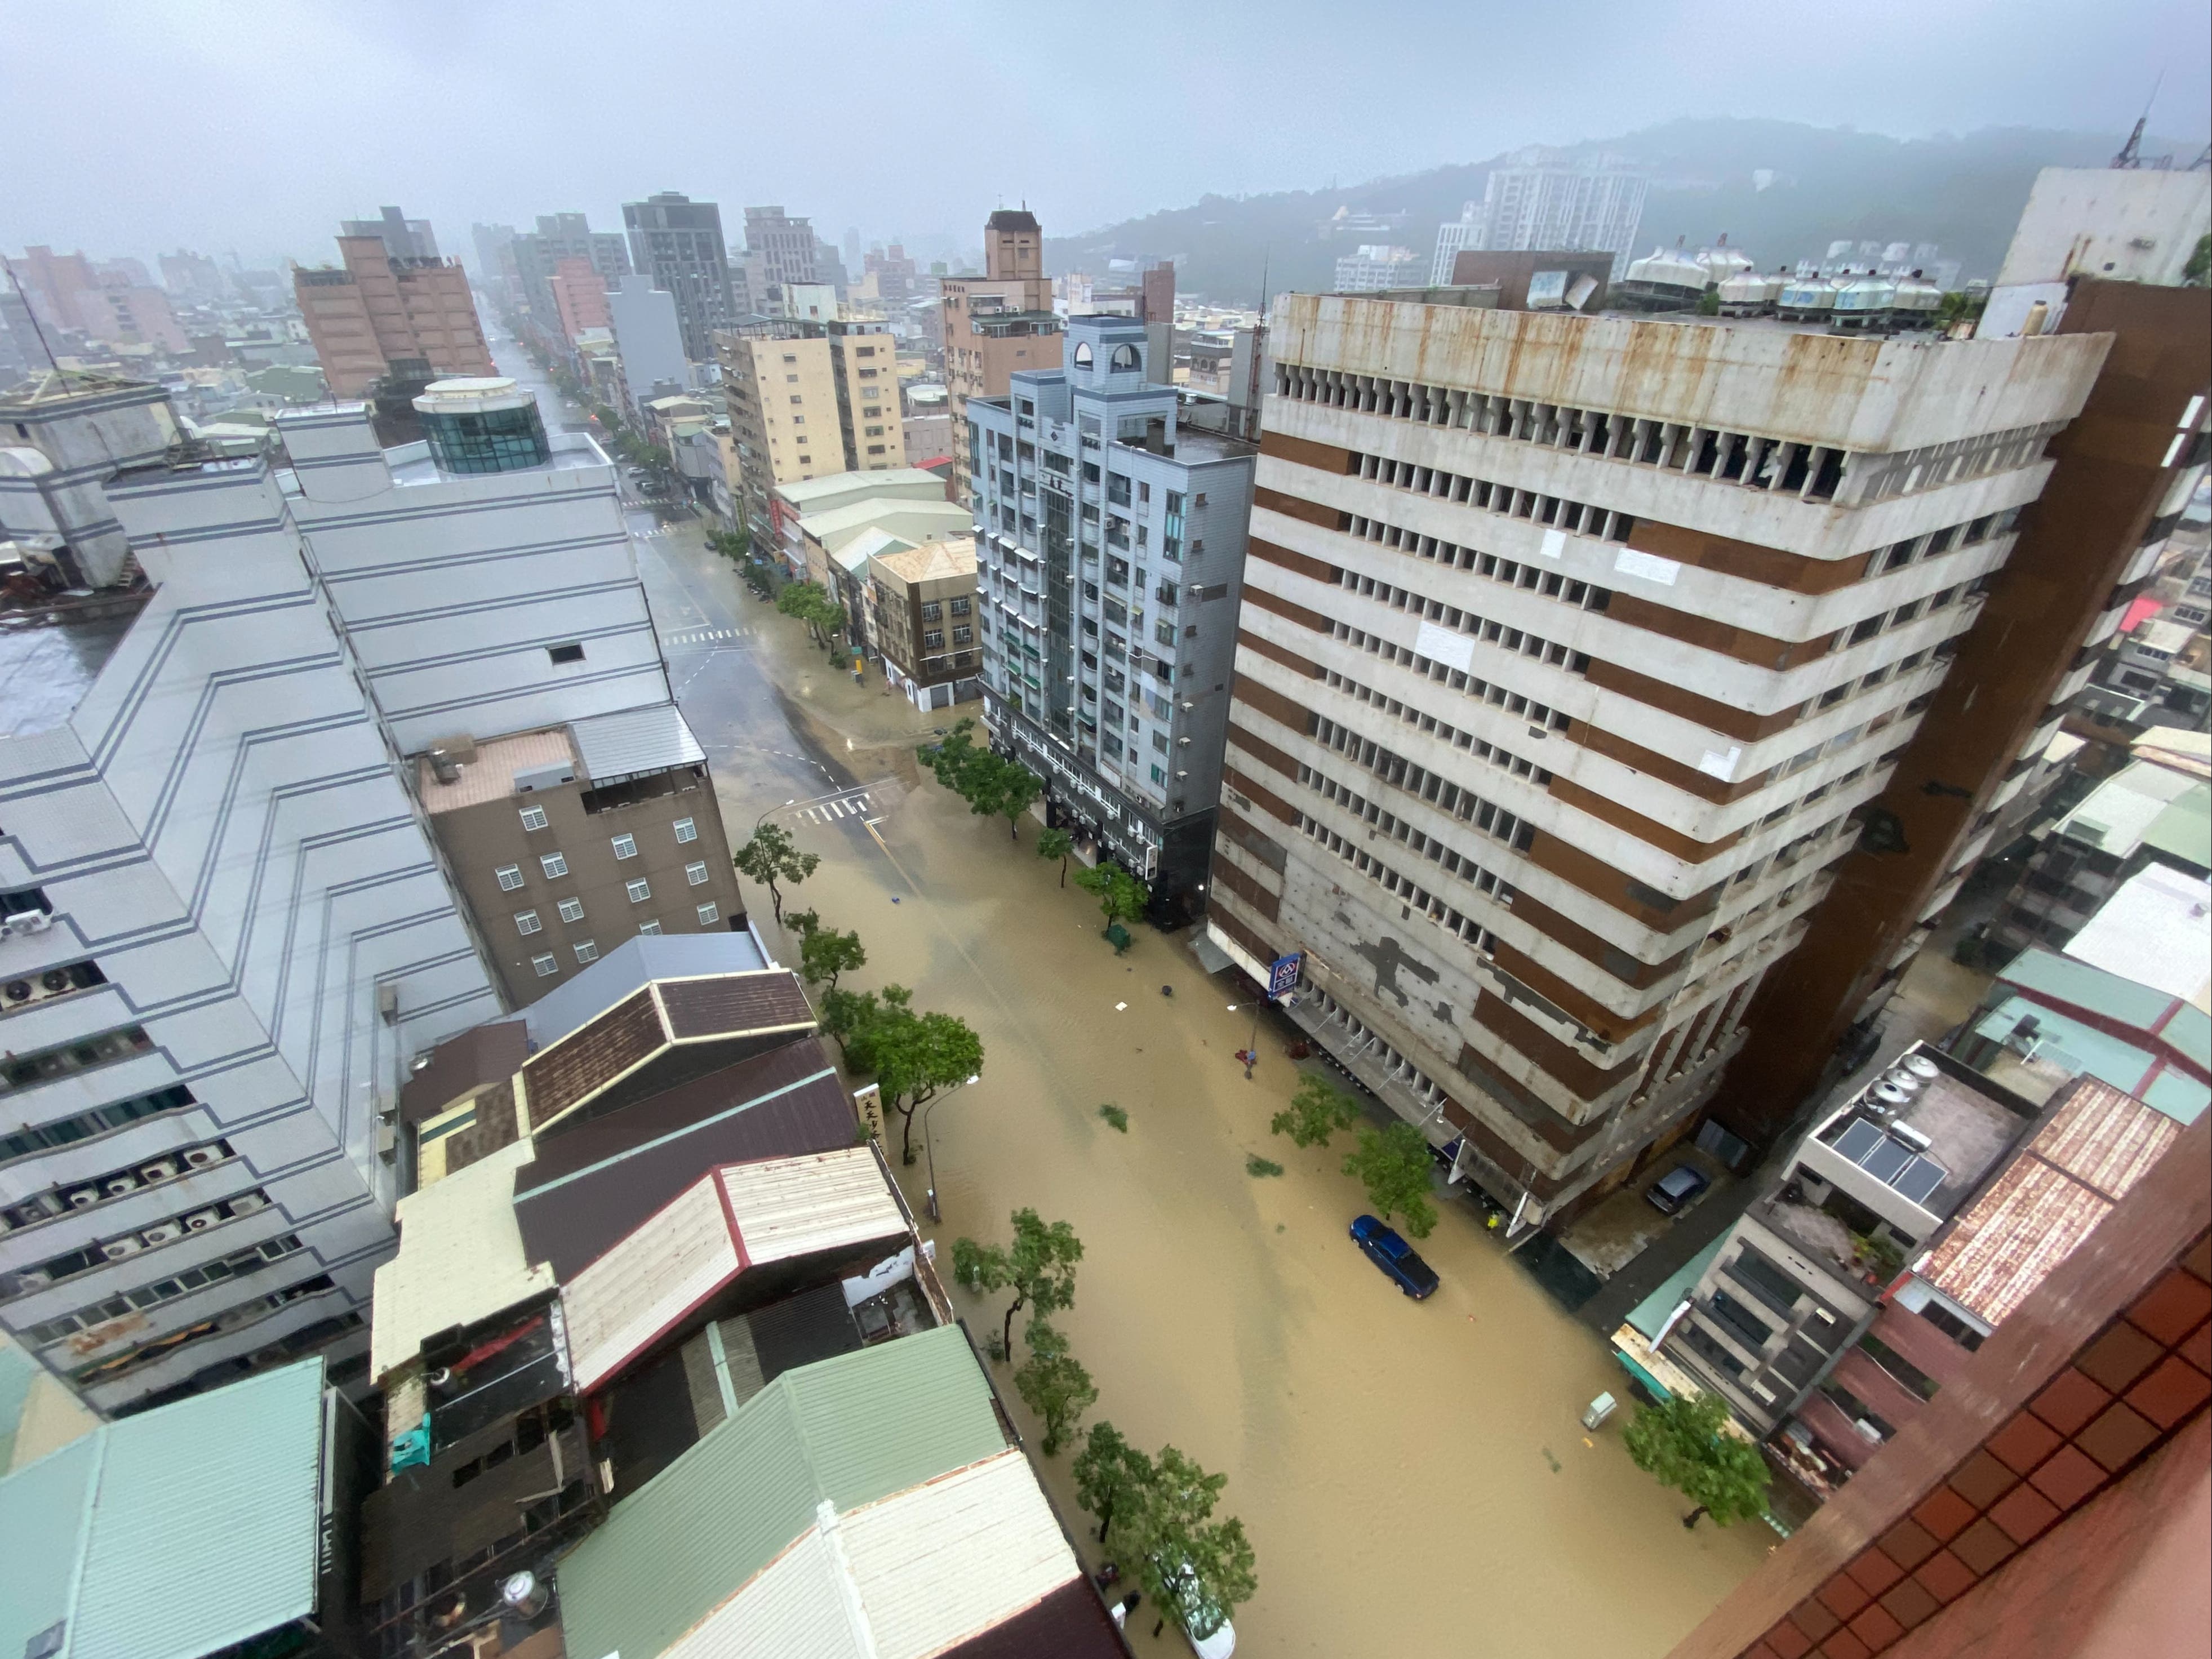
x: 162, y: 1234
x: 199, y: 1219
x: 199, y: 1158
x: 116, y: 1249
x: 247, y: 1203
x: 115, y: 1186
x: 160, y: 1170
x: 84, y: 1196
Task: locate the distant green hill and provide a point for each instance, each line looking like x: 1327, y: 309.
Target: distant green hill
x: 1962, y: 193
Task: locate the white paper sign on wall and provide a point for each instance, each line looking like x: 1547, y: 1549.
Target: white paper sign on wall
x: 1650, y: 566
x: 1444, y: 645
x: 1555, y: 544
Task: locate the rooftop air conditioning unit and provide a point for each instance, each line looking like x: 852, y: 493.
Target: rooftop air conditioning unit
x: 116, y: 1185
x: 247, y: 1203
x: 34, y: 1279
x: 199, y: 1158
x: 19, y: 990
x: 199, y: 1220
x: 84, y: 1196
x: 116, y: 1249
x: 31, y: 921
x: 160, y: 1170
x: 165, y: 1233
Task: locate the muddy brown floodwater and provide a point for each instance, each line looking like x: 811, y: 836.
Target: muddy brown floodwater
x: 1412, y: 1475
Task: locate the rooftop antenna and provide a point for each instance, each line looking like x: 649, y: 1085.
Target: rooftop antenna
x: 2130, y: 156
x: 37, y: 327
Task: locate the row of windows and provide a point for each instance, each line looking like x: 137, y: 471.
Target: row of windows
x: 545, y: 965
x: 1583, y: 518
x: 572, y: 909
x: 119, y: 1247
x: 237, y: 1265
x: 231, y: 1319
x: 83, y: 1125
x: 556, y: 864
x: 1400, y: 887
x: 1438, y: 791
x: 1481, y: 748
x: 1486, y: 629
x: 1489, y: 691
x: 80, y: 1055
x: 1815, y: 472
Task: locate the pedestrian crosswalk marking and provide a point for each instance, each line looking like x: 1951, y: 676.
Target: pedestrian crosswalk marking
x: 708, y: 635
x: 856, y: 805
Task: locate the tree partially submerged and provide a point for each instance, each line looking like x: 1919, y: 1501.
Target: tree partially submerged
x: 1109, y: 1474
x: 992, y: 785
x: 1053, y: 1384
x: 811, y: 604
x: 1196, y: 1569
x: 1392, y: 1164
x: 1056, y: 844
x: 1038, y: 1267
x: 825, y: 953
x: 912, y: 1055
x: 1683, y: 1442
x: 770, y: 858
x: 1121, y: 896
x: 1316, y: 1111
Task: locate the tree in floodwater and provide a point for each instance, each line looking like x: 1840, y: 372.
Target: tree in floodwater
x: 1196, y: 1569
x: 1392, y: 1164
x: 1121, y: 896
x: 912, y: 1055
x: 1053, y: 1384
x: 1681, y: 1443
x: 1038, y: 1267
x: 770, y: 857
x: 825, y: 953
x: 1316, y: 1111
x: 1108, y: 1473
x: 1056, y: 844
x: 992, y: 785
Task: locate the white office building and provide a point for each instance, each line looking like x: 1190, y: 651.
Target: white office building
x: 1589, y: 209
x: 226, y: 928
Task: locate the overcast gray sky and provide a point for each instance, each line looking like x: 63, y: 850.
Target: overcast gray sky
x: 139, y: 125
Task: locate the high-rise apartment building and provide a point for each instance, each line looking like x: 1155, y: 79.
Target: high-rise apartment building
x: 378, y: 313
x: 1565, y: 674
x: 403, y: 237
x: 537, y: 257
x: 579, y: 298
x: 1110, y: 555
x: 1465, y: 232
x: 495, y: 246
x: 784, y: 246
x: 998, y: 323
x: 808, y: 399
x: 233, y: 922
x: 1531, y: 204
x: 679, y: 243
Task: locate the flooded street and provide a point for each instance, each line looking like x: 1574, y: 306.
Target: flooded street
x: 1412, y: 1476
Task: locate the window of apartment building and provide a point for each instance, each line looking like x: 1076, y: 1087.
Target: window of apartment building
x: 933, y: 640
x: 526, y: 921
x: 687, y: 830
x: 789, y: 358
x: 651, y: 928
x: 877, y: 449
x: 864, y: 351
x: 533, y: 817
x: 963, y: 636
x: 572, y: 909
x: 1160, y: 776
x: 695, y: 874
x: 960, y: 607
x: 545, y: 965
x: 625, y: 846
x: 639, y: 890
x: 873, y: 431
x: 791, y: 380
x: 932, y: 611
x: 569, y: 653
x: 510, y: 877
x: 1160, y: 742
x: 553, y: 864
x: 710, y: 914
x: 586, y: 951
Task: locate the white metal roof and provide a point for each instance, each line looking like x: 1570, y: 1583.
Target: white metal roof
x: 738, y: 1217
x: 916, y: 1574
x: 635, y: 740
x: 460, y: 1259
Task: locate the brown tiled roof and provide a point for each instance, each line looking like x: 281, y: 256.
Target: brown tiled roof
x: 481, y: 1054
x: 593, y: 1184
x: 591, y: 1056
x: 1071, y: 1623
x: 729, y: 1003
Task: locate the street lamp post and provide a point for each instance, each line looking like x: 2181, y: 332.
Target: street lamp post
x: 928, y: 1150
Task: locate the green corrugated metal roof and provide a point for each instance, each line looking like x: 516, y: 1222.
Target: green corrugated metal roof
x: 2069, y: 1042
x: 852, y: 1430
x: 2183, y: 830
x: 2047, y: 973
x: 171, y: 1533
x: 16, y: 1370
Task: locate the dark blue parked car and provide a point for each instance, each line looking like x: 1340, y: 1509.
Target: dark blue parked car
x: 1395, y: 1257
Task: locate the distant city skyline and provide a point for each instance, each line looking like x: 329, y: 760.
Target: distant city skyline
x: 516, y: 147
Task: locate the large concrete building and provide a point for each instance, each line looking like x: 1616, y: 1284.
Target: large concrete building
x: 1110, y: 547
x: 1571, y: 649
x: 807, y: 400
x: 997, y: 324
x: 1537, y: 203
x: 377, y: 314
x: 679, y: 243
x: 234, y: 922
x: 537, y: 258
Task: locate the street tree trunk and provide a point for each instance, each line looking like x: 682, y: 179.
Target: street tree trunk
x: 1691, y: 1518
x: 1006, y: 1335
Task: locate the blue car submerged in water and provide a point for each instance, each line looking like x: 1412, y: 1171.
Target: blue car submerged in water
x: 1394, y: 1256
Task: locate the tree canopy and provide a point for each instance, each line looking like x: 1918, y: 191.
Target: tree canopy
x: 1196, y: 1569
x: 825, y: 953
x: 808, y: 602
x: 912, y: 1055
x: 1681, y: 1443
x: 1038, y: 1267
x: 1316, y: 1111
x: 992, y: 785
x: 1056, y: 844
x: 1121, y: 896
x: 1053, y: 1384
x: 1108, y: 1473
x: 772, y: 857
x: 1392, y: 1164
